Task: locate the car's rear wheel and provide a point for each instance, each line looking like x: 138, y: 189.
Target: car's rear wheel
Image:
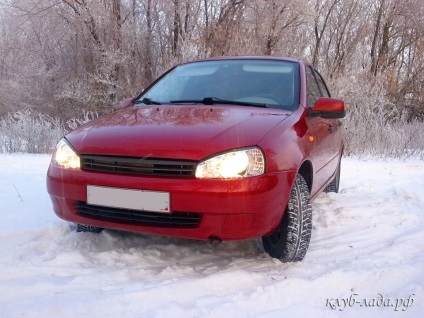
x: 335, y: 183
x: 88, y: 228
x: 290, y: 240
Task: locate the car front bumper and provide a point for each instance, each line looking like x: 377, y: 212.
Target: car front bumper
x: 228, y: 209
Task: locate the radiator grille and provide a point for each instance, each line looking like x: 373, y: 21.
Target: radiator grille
x: 139, y: 166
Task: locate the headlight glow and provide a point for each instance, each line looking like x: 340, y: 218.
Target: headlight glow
x: 65, y: 156
x: 235, y: 164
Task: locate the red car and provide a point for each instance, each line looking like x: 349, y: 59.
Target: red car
x: 220, y: 149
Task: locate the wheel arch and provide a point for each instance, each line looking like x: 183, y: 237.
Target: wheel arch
x: 306, y: 171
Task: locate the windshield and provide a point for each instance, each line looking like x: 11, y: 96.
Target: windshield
x: 263, y: 82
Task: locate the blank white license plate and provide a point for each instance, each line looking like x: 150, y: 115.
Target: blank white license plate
x: 129, y: 199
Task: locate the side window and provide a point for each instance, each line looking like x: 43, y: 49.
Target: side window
x: 312, y: 89
x: 322, y: 85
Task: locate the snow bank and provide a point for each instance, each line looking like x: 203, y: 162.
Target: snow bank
x: 367, y: 244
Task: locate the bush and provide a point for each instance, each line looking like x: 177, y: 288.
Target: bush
x: 26, y: 132
x: 31, y: 132
x: 373, y: 125
x: 87, y: 116
x: 365, y: 135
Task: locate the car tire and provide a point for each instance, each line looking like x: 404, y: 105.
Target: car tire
x: 88, y: 228
x: 290, y: 240
x: 335, y: 183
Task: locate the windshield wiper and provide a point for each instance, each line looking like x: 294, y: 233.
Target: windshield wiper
x: 215, y: 100
x: 148, y: 101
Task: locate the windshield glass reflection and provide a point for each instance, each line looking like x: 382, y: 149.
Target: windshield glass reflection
x: 269, y: 82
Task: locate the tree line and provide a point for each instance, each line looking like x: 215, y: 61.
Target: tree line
x: 59, y: 57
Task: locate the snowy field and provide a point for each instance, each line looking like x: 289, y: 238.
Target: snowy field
x: 366, y: 257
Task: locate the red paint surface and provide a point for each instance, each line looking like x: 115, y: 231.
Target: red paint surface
x: 231, y: 209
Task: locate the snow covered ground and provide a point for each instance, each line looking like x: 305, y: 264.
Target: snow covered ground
x: 366, y: 258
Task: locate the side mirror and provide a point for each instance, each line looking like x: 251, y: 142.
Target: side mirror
x: 328, y: 108
x: 125, y: 102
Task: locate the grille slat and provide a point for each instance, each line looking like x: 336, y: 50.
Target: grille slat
x: 139, y: 166
x: 145, y: 218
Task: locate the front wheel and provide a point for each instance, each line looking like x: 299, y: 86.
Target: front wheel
x: 290, y: 240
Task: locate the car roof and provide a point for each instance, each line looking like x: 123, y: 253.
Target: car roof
x: 247, y: 57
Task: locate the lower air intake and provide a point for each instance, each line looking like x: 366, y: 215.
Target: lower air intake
x: 181, y: 220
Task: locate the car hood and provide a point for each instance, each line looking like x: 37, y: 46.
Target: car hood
x: 175, y: 131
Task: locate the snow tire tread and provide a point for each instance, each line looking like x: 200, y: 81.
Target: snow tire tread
x: 88, y: 228
x: 290, y: 240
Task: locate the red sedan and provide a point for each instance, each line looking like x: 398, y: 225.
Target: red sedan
x: 219, y: 149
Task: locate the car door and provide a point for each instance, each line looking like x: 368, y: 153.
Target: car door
x: 326, y: 133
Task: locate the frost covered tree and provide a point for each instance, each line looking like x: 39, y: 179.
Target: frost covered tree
x: 64, y: 57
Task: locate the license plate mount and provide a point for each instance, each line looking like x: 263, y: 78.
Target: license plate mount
x: 142, y: 200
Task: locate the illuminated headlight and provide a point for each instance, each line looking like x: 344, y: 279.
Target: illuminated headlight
x: 65, y: 156
x: 235, y: 164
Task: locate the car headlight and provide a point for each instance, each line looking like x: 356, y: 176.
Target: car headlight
x: 65, y: 156
x: 235, y: 164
